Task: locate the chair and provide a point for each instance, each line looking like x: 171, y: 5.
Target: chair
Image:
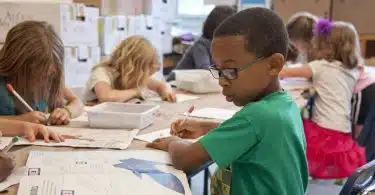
x: 207, y: 176
x: 361, y: 182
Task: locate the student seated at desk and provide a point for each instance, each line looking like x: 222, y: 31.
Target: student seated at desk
x: 32, y: 61
x: 126, y: 74
x: 20, y: 128
x: 331, y: 151
x: 300, y: 29
x: 199, y: 55
x: 263, y: 144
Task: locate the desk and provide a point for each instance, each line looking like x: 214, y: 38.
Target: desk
x: 169, y: 113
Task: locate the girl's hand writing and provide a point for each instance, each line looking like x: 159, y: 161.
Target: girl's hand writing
x: 33, y: 117
x: 59, y: 116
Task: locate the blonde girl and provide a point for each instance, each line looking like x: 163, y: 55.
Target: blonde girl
x: 32, y: 61
x: 331, y: 151
x: 126, y: 74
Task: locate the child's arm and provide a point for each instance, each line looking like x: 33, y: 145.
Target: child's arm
x: 74, y: 105
x: 106, y: 93
x: 185, y: 155
x: 303, y: 71
x: 30, y: 130
x: 162, y: 89
x: 73, y: 109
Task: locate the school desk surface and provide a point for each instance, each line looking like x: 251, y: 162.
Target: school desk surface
x: 168, y: 113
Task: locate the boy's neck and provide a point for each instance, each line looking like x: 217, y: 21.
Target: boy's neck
x: 273, y: 86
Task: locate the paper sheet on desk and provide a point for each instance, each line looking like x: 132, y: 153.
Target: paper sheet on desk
x: 179, y: 98
x: 152, y: 136
x: 4, y: 142
x: 89, y: 138
x: 99, y: 184
x: 14, y: 178
x: 104, y: 171
x: 213, y: 113
x: 295, y: 84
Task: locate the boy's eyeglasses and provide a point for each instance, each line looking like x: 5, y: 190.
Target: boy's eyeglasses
x: 230, y: 73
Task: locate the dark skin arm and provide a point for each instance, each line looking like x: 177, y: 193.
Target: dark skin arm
x: 185, y: 155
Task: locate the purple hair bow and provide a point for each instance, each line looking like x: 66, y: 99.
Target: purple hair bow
x: 323, y: 27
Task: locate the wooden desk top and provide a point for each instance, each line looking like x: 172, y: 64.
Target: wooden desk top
x: 168, y: 113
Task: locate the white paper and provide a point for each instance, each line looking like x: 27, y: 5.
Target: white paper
x: 290, y: 84
x: 213, y: 113
x: 89, y: 138
x: 4, y: 142
x: 100, y: 172
x: 98, y: 184
x: 179, y: 97
x: 14, y: 178
x: 152, y: 136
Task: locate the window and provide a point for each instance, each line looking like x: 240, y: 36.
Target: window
x: 193, y: 8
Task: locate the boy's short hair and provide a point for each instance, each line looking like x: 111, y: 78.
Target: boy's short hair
x: 263, y: 29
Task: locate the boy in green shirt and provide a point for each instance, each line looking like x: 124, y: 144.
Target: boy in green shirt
x: 263, y: 144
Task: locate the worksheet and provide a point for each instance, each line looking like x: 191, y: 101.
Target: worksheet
x: 102, y: 172
x: 4, y: 142
x: 152, y: 136
x: 179, y: 97
x: 89, y: 138
x: 213, y: 113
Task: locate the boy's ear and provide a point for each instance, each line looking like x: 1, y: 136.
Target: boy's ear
x: 276, y: 63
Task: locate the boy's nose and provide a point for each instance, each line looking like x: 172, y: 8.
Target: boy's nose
x: 223, y: 82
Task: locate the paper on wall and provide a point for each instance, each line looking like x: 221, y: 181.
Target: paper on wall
x: 13, y: 179
x: 213, y: 113
x: 152, y: 136
x: 89, y: 138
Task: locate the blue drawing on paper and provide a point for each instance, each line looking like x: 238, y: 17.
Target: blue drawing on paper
x: 138, y: 167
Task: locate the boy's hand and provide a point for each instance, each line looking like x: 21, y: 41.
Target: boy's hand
x: 32, y: 131
x: 163, y: 143
x: 59, y: 116
x: 168, y: 96
x: 7, y: 165
x: 188, y: 129
x: 33, y: 117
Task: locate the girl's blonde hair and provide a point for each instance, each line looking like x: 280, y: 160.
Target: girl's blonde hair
x: 341, y: 44
x: 31, y: 50
x: 300, y: 26
x: 135, y: 60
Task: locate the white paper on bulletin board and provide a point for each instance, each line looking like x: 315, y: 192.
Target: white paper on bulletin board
x: 220, y: 2
x: 244, y: 4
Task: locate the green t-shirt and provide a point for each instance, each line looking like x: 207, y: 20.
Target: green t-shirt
x: 264, y: 145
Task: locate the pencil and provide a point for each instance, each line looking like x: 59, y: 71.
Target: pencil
x: 191, y: 109
x: 14, y: 92
x: 18, y: 96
